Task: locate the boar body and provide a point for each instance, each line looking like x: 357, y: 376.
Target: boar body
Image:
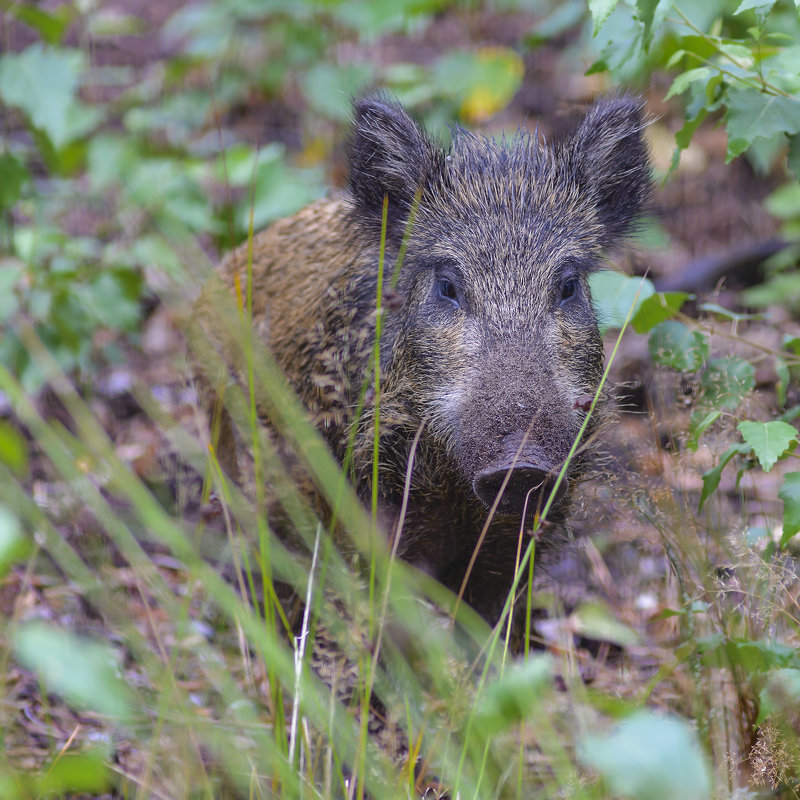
x: 490, y: 351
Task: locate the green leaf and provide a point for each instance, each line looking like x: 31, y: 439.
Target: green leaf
x: 650, y: 757
x: 15, y: 546
x: 780, y: 694
x: 615, y: 296
x: 670, y: 612
x: 784, y: 202
x: 792, y: 344
x: 685, y: 79
x: 13, y: 176
x: 13, y: 450
x: 177, y: 118
x: 595, y: 621
x: 205, y: 30
x: 51, y: 25
x: 712, y: 478
x: 179, y: 197
x: 762, y: 655
x: 113, y: 299
x: 769, y: 440
x: 782, y: 289
x: 726, y: 381
x: 657, y: 308
x: 736, y: 51
x: 672, y: 344
x: 481, y: 82
x: 43, y: 82
x: 108, y: 22
x: 278, y: 192
x: 81, y: 773
x: 329, y: 88
x: 761, y: 7
x: 378, y: 16
x: 698, y: 425
x: 683, y: 137
x: 790, y: 414
x: 510, y: 698
x: 559, y: 20
x: 790, y: 494
x: 726, y: 313
x: 752, y: 114
x: 239, y: 164
x: 651, y: 14
x: 673, y: 60
x: 600, y: 11
x: 597, y: 67
x: 84, y: 672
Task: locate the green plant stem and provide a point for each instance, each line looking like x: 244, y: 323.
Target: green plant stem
x: 768, y: 88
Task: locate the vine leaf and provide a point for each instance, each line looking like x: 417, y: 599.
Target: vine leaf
x: 43, y: 82
x: 601, y: 11
x: 712, y: 477
x: 752, y: 114
x: 769, y: 440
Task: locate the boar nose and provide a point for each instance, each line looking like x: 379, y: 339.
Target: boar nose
x: 527, y: 481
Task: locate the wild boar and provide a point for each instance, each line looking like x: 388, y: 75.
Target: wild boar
x: 489, y: 352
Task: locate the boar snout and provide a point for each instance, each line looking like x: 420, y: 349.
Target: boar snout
x: 528, y: 482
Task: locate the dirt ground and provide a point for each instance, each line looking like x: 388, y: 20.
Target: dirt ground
x: 711, y: 211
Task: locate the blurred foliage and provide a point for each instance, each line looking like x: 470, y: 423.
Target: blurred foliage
x: 109, y: 135
x: 737, y: 62
x: 650, y: 757
x: 736, y: 57
x: 92, y: 192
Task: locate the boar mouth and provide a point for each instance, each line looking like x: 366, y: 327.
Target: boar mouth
x: 527, y: 483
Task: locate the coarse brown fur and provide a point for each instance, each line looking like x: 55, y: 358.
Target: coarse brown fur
x: 489, y: 342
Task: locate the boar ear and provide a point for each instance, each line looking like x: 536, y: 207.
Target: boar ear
x: 390, y: 154
x: 608, y: 154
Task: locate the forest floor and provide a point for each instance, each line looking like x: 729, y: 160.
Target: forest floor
x: 650, y: 480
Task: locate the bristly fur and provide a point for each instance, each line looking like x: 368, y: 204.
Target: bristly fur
x: 490, y: 345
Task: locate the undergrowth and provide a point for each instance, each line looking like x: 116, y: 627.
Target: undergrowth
x: 163, y: 649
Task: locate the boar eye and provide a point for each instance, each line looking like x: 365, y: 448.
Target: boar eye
x: 447, y: 291
x: 569, y: 289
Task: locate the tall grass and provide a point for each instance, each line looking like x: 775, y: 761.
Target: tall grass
x: 316, y: 664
